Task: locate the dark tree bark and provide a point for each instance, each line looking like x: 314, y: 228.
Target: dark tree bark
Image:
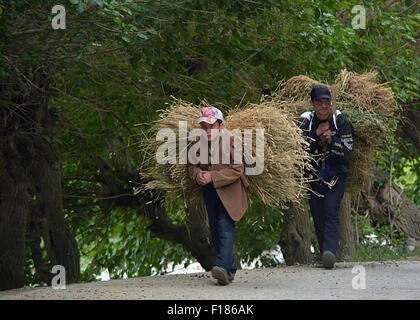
x: 391, y: 206
x: 199, y: 236
x: 295, y: 237
x: 194, y: 235
x: 34, y: 233
x: 49, y: 216
x: 30, y: 175
x: 408, y: 127
x: 15, y: 204
x: 347, y: 246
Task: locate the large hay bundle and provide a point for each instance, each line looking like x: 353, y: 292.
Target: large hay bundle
x: 282, y: 179
x: 358, y: 91
x: 363, y: 92
x: 171, y: 179
x: 365, y: 103
x: 296, y: 89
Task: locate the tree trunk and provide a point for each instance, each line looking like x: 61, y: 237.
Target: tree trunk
x: 199, y: 236
x: 295, y: 238
x: 194, y: 235
x: 393, y: 207
x: 346, y: 247
x: 34, y: 233
x: 408, y: 127
x: 30, y: 168
x: 49, y: 220
x: 15, y: 202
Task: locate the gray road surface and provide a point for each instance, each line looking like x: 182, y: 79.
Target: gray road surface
x: 384, y: 280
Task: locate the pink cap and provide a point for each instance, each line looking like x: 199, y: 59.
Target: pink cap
x: 210, y: 115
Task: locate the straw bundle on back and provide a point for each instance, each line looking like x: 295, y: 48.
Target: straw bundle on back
x: 171, y: 178
x: 296, y: 89
x: 363, y: 91
x: 282, y: 178
x: 369, y: 131
x: 365, y: 103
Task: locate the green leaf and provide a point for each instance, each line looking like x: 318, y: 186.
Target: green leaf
x: 142, y: 36
x: 118, y: 20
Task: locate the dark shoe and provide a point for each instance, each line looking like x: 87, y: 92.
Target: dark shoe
x: 231, y: 277
x: 328, y: 258
x: 221, y: 275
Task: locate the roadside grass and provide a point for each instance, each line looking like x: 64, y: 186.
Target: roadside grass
x: 378, y: 252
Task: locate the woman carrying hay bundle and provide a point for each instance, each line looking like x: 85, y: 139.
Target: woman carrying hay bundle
x: 330, y: 140
x: 223, y: 185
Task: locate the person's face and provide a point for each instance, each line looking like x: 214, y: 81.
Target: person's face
x: 322, y: 108
x: 212, y: 130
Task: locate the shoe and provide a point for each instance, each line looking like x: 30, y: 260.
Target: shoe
x: 221, y: 275
x: 328, y: 258
x: 231, y: 277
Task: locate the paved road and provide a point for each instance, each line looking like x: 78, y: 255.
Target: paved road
x: 384, y: 280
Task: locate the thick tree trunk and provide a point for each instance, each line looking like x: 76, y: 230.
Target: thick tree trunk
x: 49, y: 216
x: 15, y: 202
x: 194, y: 235
x: 391, y: 206
x: 30, y: 170
x: 295, y: 237
x: 347, y: 245
x: 42, y: 268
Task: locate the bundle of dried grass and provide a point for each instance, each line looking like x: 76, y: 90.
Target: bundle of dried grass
x: 369, y: 131
x: 361, y: 91
x: 172, y: 179
x: 364, y: 92
x: 296, y: 89
x: 365, y: 103
x: 282, y: 179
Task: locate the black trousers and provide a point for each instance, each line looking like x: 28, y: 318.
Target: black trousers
x: 222, y: 228
x: 324, y: 211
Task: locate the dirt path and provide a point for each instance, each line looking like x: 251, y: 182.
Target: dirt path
x: 384, y: 280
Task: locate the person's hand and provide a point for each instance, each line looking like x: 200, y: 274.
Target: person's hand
x: 203, y: 178
x: 206, y: 177
x: 323, y: 127
x: 199, y: 178
x: 326, y: 135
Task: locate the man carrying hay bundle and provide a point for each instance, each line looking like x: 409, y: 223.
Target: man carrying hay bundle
x: 223, y: 187
x: 330, y: 140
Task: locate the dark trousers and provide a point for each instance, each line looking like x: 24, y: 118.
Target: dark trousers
x: 222, y: 228
x: 324, y: 211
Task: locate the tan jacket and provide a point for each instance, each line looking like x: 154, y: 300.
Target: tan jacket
x: 228, y: 179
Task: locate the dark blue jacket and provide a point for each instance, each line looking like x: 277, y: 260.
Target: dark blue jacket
x: 338, y: 150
